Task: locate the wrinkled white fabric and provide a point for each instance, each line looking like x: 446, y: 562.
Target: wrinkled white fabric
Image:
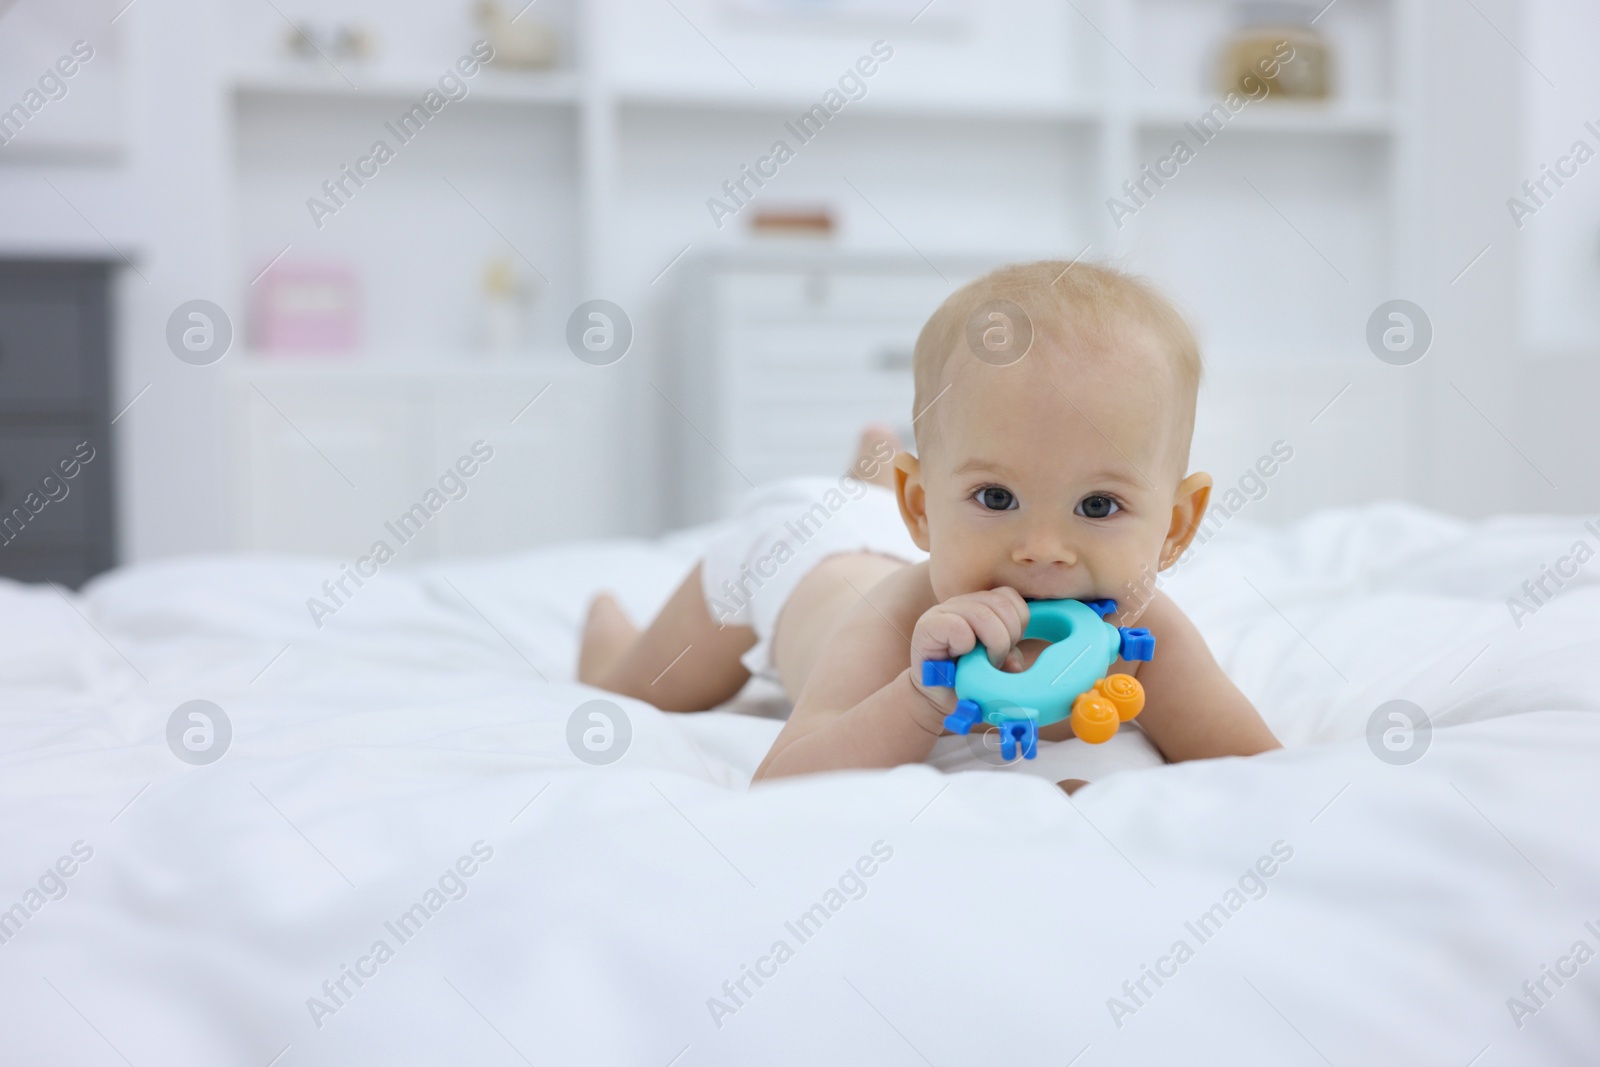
x: 623, y: 904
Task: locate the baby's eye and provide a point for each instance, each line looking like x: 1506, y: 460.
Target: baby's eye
x: 996, y: 498
x: 1097, y: 506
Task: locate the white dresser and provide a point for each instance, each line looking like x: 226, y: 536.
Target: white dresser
x: 779, y: 357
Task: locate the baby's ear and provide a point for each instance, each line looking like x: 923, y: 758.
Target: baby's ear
x: 1188, y: 511
x: 912, y: 497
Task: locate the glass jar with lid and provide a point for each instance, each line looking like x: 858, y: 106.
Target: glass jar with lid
x: 1277, y: 45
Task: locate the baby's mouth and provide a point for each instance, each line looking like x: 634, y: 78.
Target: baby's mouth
x: 1039, y: 593
x: 1044, y: 586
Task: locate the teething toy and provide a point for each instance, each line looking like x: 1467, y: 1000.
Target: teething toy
x: 1069, y: 677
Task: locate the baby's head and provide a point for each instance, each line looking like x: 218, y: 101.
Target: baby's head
x: 1057, y: 467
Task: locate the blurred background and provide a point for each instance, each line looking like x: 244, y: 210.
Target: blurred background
x: 280, y: 264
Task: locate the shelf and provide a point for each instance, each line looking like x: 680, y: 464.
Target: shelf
x: 462, y: 365
x: 1372, y: 120
x: 553, y: 88
x: 717, y: 101
x: 1365, y: 119
x: 562, y: 88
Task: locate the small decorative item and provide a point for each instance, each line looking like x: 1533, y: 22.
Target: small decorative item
x: 1276, y: 45
x: 307, y: 308
x: 793, y: 222
x: 346, y: 41
x: 519, y: 41
x: 506, y: 298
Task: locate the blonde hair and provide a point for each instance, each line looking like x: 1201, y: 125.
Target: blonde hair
x: 1071, y: 306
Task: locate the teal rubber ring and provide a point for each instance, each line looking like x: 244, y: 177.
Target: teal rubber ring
x: 1083, y: 647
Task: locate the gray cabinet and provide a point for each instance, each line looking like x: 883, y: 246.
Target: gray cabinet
x: 55, y: 442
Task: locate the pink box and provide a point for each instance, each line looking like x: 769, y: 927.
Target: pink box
x: 307, y: 308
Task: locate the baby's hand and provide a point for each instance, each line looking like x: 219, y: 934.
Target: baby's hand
x: 997, y: 617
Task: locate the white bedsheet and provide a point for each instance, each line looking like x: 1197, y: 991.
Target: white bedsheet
x: 430, y: 714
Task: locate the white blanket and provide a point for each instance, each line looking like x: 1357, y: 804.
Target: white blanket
x: 403, y: 776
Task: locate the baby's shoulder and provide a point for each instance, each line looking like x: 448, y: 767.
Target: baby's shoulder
x: 1159, y: 613
x: 905, y: 594
x: 1178, y: 639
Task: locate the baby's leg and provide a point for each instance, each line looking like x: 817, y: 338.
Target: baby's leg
x: 683, y: 662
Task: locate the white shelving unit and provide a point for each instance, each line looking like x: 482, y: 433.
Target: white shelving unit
x: 996, y: 131
x: 1559, y: 242
x: 334, y: 452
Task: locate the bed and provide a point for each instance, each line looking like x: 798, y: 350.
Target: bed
x: 413, y: 774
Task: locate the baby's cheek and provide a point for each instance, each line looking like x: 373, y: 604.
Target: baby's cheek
x: 951, y: 574
x: 937, y: 578
x: 1132, y: 578
x: 945, y: 587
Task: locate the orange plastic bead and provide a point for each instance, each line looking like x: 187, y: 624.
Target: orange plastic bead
x: 1094, y: 718
x: 1124, y: 692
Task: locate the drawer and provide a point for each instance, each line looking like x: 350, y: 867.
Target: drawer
x: 41, y: 353
x: 876, y: 347
x: 830, y: 295
x: 329, y: 462
x: 27, y: 458
x: 553, y: 471
x: 70, y: 569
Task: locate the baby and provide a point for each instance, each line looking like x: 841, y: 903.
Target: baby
x: 1054, y: 409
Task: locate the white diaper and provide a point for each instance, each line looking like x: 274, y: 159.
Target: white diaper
x: 781, y: 532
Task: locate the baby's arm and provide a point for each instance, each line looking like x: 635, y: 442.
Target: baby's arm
x: 862, y: 706
x: 1193, y: 710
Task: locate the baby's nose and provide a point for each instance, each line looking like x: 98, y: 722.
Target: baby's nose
x: 1044, y: 546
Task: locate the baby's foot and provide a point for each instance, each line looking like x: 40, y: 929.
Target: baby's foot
x: 874, y: 450
x: 607, y: 634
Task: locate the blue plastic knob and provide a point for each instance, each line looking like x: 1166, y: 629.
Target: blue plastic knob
x: 1015, y: 731
x: 939, y: 672
x: 1101, y: 608
x: 1138, y: 643
x: 964, y: 718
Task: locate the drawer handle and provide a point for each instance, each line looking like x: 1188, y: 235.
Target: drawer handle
x: 894, y: 358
